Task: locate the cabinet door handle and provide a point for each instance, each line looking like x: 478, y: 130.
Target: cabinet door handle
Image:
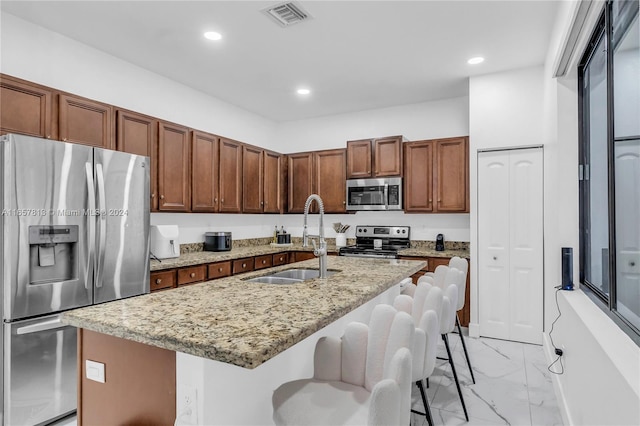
x: 64, y: 139
x: 48, y: 136
x: 222, y: 201
x: 192, y: 275
x: 495, y: 258
x: 219, y: 269
x: 262, y: 203
x: 632, y: 263
x: 244, y: 265
x: 159, y: 280
x: 215, y: 199
x: 153, y: 195
x: 162, y: 197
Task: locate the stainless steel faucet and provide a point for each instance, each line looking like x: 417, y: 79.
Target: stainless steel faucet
x: 319, y: 252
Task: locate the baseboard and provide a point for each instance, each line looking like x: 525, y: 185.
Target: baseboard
x: 474, y: 330
x: 550, y: 356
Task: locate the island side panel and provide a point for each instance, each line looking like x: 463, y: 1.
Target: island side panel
x: 140, y: 382
x: 232, y: 395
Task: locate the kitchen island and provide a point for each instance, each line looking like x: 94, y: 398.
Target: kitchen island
x: 236, y: 341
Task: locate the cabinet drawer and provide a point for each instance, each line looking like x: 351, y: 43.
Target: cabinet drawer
x: 280, y: 259
x: 219, y: 270
x: 192, y: 274
x: 242, y: 265
x: 263, y: 261
x: 163, y: 279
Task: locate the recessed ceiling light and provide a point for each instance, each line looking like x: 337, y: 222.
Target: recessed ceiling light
x: 212, y: 35
x: 476, y: 60
x: 303, y: 91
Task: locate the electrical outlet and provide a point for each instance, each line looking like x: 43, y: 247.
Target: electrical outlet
x: 187, y: 405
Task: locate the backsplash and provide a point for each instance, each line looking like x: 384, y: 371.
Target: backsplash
x: 430, y: 245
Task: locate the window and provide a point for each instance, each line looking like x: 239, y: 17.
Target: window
x: 609, y: 86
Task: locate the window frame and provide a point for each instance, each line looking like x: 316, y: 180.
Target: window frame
x: 607, y: 302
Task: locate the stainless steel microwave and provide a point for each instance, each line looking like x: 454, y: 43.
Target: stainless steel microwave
x: 374, y: 194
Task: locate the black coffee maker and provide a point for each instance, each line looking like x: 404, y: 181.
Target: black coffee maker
x: 440, y: 242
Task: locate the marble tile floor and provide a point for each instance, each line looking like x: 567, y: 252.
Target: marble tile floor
x: 513, y: 386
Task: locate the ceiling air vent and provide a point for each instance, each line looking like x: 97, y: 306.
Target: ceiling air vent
x: 286, y: 14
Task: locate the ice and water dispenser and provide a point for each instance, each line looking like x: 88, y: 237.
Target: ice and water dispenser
x: 53, y: 253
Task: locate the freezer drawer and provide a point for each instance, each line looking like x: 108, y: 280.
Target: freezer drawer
x: 40, y: 381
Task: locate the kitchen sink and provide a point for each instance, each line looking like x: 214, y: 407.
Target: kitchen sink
x: 301, y: 274
x: 270, y: 279
x: 289, y: 276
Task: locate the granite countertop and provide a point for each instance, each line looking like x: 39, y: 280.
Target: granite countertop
x: 203, y: 257
x: 244, y: 323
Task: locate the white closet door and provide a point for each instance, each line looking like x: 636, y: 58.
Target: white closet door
x: 525, y: 231
x: 493, y: 235
x: 510, y: 229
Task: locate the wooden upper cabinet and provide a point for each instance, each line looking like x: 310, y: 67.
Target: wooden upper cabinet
x: 451, y: 178
x: 436, y: 176
x: 418, y: 176
x: 84, y: 121
x: 374, y: 158
x: 26, y: 108
x: 230, y: 176
x: 204, y: 172
x: 300, y: 171
x: 359, y: 157
x: 252, y: 179
x: 173, y: 167
x: 273, y: 182
x: 330, y: 179
x: 138, y: 134
x: 387, y: 156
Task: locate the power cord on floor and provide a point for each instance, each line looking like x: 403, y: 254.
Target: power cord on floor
x: 558, y: 351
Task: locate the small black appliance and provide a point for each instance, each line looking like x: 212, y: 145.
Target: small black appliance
x: 567, y: 268
x: 440, y: 242
x: 217, y: 241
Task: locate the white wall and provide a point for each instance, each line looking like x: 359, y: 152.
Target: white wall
x: 39, y: 55
x: 600, y: 384
x: 36, y: 54
x: 505, y: 110
x: 427, y: 120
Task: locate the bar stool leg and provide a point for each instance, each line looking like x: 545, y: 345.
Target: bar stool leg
x: 466, y: 354
x: 427, y: 409
x: 455, y: 375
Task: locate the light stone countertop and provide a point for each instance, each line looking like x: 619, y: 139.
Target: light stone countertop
x: 203, y: 257
x: 244, y: 323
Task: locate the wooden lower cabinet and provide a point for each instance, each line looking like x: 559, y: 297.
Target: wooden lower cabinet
x: 280, y: 259
x: 162, y: 280
x: 261, y: 262
x: 150, y: 399
x: 192, y: 274
x: 219, y: 270
x: 242, y: 265
x: 432, y: 263
x: 299, y: 256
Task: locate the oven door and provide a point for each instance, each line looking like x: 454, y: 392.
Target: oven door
x: 40, y: 382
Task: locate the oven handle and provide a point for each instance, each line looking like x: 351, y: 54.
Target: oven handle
x: 41, y: 326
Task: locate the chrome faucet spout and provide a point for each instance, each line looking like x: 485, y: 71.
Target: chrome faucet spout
x: 321, y: 251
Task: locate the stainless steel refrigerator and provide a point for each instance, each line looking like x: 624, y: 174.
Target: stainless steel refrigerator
x: 74, y: 232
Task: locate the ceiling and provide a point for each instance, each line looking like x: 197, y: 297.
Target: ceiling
x: 353, y: 55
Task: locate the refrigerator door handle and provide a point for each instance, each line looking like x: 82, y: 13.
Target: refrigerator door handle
x: 91, y: 224
x: 102, y: 218
x: 41, y: 326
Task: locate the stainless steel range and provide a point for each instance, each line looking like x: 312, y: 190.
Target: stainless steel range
x: 378, y: 241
